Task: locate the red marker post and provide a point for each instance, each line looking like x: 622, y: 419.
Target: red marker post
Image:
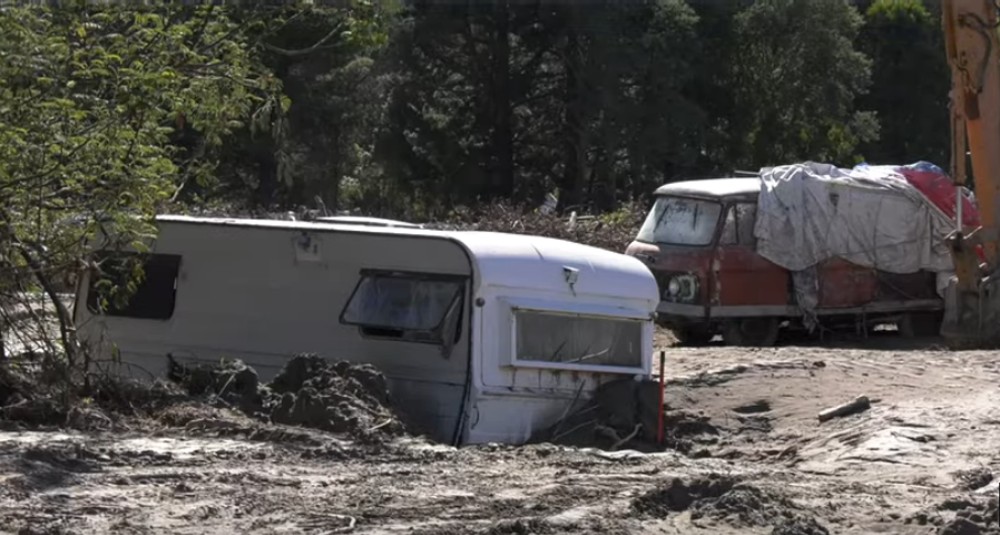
x: 659, y: 430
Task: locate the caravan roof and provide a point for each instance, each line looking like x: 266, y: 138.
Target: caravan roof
x: 500, y: 259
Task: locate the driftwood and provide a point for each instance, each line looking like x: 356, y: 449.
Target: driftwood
x: 858, y: 404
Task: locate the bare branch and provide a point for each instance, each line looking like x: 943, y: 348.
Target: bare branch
x: 304, y: 51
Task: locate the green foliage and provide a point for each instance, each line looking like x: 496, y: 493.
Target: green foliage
x: 91, y: 101
x: 612, y: 231
x: 797, y: 75
x: 513, y: 101
x: 910, y: 82
x: 413, y: 109
x: 320, y: 132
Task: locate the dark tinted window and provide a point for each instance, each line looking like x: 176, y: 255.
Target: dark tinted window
x: 746, y: 217
x: 406, y: 306
x: 155, y: 293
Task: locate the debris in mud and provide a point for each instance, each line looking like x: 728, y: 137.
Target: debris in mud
x: 229, y: 380
x: 974, y: 479
x: 759, y: 406
x: 960, y: 526
x: 976, y: 518
x: 856, y: 405
x: 310, y: 391
x: 745, y: 505
x: 678, y: 495
x: 799, y: 525
x: 40, y: 390
x: 519, y: 526
x: 624, y: 414
x: 26, y: 398
x: 723, y: 499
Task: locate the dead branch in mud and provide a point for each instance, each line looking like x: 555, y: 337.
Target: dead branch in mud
x: 858, y: 404
x: 627, y: 438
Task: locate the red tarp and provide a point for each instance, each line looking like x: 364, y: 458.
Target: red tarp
x: 938, y: 188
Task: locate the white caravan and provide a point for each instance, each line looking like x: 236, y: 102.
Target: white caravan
x: 483, y: 337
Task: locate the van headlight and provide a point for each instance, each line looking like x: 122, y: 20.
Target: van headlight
x: 682, y: 288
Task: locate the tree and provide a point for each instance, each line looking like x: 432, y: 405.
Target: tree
x: 322, y: 130
x: 513, y: 100
x: 91, y: 102
x: 910, y: 82
x: 797, y: 76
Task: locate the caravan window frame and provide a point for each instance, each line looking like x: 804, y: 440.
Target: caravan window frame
x: 369, y: 330
x: 510, y: 357
x: 162, y: 312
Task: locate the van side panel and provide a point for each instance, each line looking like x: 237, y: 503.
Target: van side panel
x: 259, y: 295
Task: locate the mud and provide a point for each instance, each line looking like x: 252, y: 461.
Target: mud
x: 679, y: 495
x: 921, y: 461
x: 624, y: 415
x: 799, y: 525
x: 746, y: 505
x: 310, y: 391
x: 972, y: 517
x: 723, y: 499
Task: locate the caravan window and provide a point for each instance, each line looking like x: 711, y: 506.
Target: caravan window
x: 154, y: 295
x: 415, y: 307
x: 567, y: 340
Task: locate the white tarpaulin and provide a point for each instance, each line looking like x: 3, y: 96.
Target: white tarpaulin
x: 870, y: 216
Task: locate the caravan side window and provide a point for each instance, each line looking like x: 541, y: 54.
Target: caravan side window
x: 407, y: 306
x: 563, y: 340
x: 154, y: 295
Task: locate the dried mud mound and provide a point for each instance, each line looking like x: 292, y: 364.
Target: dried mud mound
x: 24, y: 399
x: 42, y: 391
x: 975, y: 518
x: 340, y: 397
x: 679, y: 495
x: 722, y: 499
x: 310, y: 391
x: 800, y: 525
x: 746, y: 505
x: 624, y: 414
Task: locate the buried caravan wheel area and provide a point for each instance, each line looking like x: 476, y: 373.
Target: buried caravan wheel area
x: 756, y: 332
x: 693, y: 336
x: 920, y: 324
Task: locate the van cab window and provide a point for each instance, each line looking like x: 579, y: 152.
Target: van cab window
x: 738, y: 225
x: 680, y: 221
x: 406, y: 306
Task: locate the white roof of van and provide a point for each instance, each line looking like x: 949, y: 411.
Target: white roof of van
x: 502, y: 259
x: 712, y: 187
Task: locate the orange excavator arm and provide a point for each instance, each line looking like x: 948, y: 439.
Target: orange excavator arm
x: 972, y: 303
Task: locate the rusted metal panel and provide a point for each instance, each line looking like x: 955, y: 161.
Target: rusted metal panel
x: 843, y: 284
x: 667, y: 261
x: 745, y: 278
x: 896, y: 286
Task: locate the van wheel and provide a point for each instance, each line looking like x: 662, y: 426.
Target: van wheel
x: 692, y: 336
x: 755, y: 332
x: 918, y: 324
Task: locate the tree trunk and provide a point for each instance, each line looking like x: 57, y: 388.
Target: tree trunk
x: 67, y: 330
x: 502, y: 135
x: 571, y: 189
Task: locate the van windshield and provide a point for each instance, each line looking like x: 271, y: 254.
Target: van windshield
x: 680, y: 221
